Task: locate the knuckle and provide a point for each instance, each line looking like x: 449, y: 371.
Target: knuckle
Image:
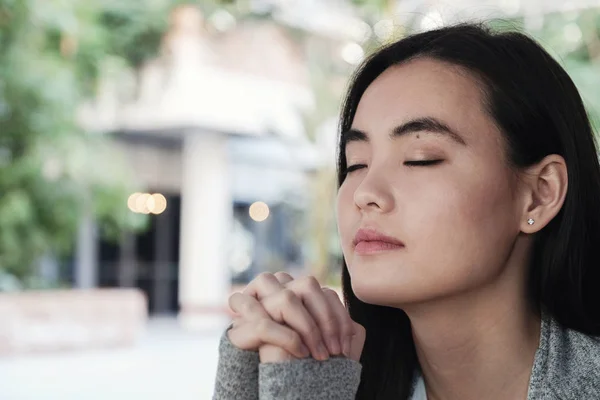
x: 282, y: 274
x: 264, y: 277
x: 329, y: 292
x: 288, y: 296
x: 360, y: 329
x: 333, y: 298
x: 312, y: 283
x: 346, y: 328
x: 306, y: 285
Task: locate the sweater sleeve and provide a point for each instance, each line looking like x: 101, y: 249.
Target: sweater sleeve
x: 308, y: 379
x: 237, y: 373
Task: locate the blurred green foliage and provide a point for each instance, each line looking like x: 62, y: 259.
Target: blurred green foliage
x: 51, y: 172
x: 574, y: 38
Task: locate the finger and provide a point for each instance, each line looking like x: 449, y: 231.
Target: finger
x: 344, y: 321
x: 283, y: 277
x: 319, y: 307
x: 237, y: 322
x: 262, y: 286
x: 287, y: 308
x: 358, y: 342
x: 273, y: 354
x: 253, y: 334
x: 247, y: 307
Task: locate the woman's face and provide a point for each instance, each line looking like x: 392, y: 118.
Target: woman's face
x: 429, y: 191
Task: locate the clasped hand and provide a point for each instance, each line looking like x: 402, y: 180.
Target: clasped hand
x: 286, y: 319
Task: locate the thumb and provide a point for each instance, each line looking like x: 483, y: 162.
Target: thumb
x: 272, y: 354
x: 357, y: 342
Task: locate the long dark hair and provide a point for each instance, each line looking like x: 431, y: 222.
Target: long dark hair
x: 538, y: 108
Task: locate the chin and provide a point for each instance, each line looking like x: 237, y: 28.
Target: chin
x: 390, y: 290
x: 372, y: 298
x: 379, y: 292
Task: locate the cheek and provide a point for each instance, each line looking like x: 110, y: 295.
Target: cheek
x: 463, y: 232
x: 476, y: 203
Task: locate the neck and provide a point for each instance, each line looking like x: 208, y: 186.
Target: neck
x: 479, y: 345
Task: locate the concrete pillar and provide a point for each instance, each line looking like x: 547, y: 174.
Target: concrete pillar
x: 86, y: 254
x: 206, y: 220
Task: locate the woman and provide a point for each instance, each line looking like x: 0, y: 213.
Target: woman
x: 468, y: 214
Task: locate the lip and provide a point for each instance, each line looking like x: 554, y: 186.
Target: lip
x: 371, y: 241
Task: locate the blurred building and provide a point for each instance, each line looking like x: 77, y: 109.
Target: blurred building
x: 215, y: 125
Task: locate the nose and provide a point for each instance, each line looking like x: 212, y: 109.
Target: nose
x: 374, y: 193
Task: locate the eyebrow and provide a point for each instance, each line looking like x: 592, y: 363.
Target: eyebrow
x: 424, y: 124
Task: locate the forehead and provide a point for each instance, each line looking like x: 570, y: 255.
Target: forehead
x: 423, y: 87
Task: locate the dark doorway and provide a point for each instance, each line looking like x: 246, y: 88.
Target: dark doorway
x: 148, y: 260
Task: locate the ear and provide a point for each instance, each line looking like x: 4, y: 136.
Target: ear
x: 545, y: 190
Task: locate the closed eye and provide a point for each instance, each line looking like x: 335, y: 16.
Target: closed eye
x: 422, y: 163
x: 354, y: 167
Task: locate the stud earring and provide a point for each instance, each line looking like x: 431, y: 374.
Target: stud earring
x: 530, y: 221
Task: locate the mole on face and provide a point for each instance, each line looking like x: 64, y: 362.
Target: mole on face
x: 418, y: 136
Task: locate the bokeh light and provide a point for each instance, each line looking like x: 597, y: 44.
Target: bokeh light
x: 384, y: 29
x: 160, y: 203
x: 146, y: 203
x: 140, y: 203
x: 352, y: 53
x: 131, y: 201
x: 259, y: 211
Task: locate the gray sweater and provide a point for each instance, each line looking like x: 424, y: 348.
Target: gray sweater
x: 566, y: 367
